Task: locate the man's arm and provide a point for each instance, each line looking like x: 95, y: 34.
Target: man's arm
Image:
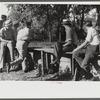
x: 3, y: 40
x: 81, y: 46
x: 69, y: 42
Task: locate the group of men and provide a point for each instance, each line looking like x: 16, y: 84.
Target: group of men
x: 18, y: 34
x: 14, y: 34
x: 84, y: 54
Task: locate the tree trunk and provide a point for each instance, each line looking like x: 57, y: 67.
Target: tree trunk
x: 98, y: 19
x: 82, y: 17
x: 49, y: 26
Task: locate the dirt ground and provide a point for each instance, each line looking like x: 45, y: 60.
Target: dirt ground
x: 20, y: 75
x: 31, y: 76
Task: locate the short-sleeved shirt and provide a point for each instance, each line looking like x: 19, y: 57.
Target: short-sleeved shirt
x: 7, y: 34
x: 24, y: 34
x: 93, y: 36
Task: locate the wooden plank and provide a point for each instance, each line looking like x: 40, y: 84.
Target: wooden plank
x: 73, y: 65
x: 48, y: 60
x: 42, y: 67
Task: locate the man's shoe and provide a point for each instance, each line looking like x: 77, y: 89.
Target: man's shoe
x: 51, y: 71
x: 55, y: 62
x: 90, y: 78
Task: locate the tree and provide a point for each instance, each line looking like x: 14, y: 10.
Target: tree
x: 46, y: 19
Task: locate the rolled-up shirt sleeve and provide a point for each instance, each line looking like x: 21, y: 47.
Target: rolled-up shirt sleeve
x: 1, y: 33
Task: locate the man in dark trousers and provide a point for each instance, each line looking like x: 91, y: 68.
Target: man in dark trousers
x: 68, y: 45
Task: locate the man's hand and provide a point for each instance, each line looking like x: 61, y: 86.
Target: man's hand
x: 10, y: 41
x: 74, y: 50
x: 69, y: 42
x: 65, y: 44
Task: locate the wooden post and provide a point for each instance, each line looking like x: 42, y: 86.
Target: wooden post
x: 42, y: 67
x: 48, y: 60
x: 74, y: 77
x: 72, y: 62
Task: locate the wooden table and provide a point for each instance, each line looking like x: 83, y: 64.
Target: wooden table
x: 46, y: 57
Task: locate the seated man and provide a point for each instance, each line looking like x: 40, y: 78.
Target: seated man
x: 67, y: 46
x: 7, y: 38
x: 87, y: 51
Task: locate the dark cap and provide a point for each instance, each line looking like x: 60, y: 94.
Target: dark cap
x: 3, y: 16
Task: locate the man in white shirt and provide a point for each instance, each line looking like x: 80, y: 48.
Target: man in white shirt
x: 23, y: 39
x: 88, y: 55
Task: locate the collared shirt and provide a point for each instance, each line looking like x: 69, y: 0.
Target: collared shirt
x: 7, y: 34
x: 24, y: 34
x: 93, y: 36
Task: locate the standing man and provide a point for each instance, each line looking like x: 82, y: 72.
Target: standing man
x: 2, y: 21
x: 6, y: 38
x: 23, y: 39
x: 68, y: 45
x: 87, y: 52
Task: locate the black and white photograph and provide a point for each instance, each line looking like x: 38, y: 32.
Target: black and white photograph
x: 50, y: 43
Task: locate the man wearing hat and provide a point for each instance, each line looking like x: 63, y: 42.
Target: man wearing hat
x: 6, y: 38
x: 87, y: 52
x: 67, y: 46
x: 2, y: 21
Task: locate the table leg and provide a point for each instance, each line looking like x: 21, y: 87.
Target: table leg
x: 42, y: 67
x: 48, y: 60
x: 72, y: 64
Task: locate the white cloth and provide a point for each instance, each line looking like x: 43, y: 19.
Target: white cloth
x: 93, y: 36
x: 24, y: 34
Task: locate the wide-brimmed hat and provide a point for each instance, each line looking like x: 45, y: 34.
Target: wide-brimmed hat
x: 66, y: 21
x: 8, y: 22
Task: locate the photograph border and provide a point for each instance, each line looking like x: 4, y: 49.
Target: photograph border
x: 8, y: 87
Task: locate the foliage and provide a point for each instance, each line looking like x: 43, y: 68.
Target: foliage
x: 46, y: 18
